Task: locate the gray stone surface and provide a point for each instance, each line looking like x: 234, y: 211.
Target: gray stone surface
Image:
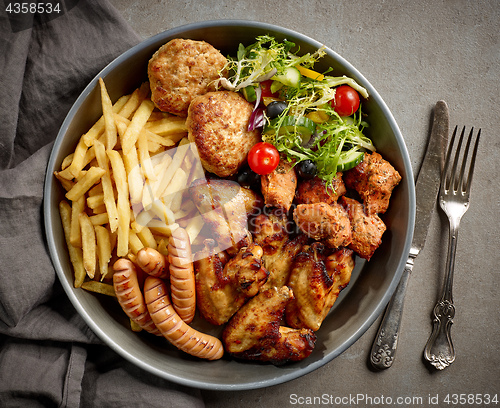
x: 414, y: 53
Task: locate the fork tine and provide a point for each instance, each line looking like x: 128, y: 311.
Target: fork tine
x: 464, y: 162
x: 444, y: 176
x: 473, y: 161
x: 453, y: 182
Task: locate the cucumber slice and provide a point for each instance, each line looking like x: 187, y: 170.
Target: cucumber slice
x: 249, y: 93
x: 348, y: 160
x: 290, y: 77
x: 291, y: 124
x: 276, y: 86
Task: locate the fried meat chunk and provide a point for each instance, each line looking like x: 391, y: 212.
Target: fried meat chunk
x: 225, y: 206
x: 322, y: 221
x: 278, y: 187
x: 222, y: 288
x: 373, y: 179
x: 315, y: 190
x: 180, y: 70
x: 217, y: 123
x: 272, y: 232
x: 254, y: 332
x: 316, y: 280
x: 367, y: 230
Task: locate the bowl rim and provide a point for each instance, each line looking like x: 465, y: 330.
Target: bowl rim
x: 68, y: 288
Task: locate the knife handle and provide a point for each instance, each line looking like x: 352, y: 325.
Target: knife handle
x: 384, y: 347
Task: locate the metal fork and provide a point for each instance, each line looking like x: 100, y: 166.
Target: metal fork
x: 454, y: 195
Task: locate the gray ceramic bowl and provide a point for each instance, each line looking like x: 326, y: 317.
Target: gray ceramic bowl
x: 358, y: 306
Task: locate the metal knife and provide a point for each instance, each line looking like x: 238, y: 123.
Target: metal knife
x: 427, y: 186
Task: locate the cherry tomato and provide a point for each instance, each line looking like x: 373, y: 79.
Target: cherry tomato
x: 266, y: 89
x: 263, y: 158
x: 346, y: 100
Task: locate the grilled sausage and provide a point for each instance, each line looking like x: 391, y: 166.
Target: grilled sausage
x: 128, y: 293
x: 173, y: 328
x: 153, y: 262
x: 182, y: 280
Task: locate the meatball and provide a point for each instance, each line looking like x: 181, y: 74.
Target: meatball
x: 217, y: 123
x: 181, y: 70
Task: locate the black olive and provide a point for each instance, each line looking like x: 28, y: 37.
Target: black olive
x: 307, y: 169
x: 248, y: 178
x: 275, y: 108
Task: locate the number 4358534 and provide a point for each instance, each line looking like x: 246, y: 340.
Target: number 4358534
x: 32, y: 8
x: 471, y: 399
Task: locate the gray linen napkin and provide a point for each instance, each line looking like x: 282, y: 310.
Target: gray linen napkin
x: 48, y: 355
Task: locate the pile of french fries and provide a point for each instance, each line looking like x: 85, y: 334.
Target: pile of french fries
x: 124, y: 187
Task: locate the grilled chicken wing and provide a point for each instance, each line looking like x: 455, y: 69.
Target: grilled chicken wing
x: 225, y: 207
x: 278, y: 187
x: 374, y: 179
x: 316, y: 280
x: 272, y: 232
x: 315, y: 190
x: 254, y: 332
x: 222, y: 288
x: 322, y: 221
x: 367, y: 230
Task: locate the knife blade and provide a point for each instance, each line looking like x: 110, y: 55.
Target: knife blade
x: 426, y: 189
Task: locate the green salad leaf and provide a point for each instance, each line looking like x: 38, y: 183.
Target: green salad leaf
x: 338, y: 142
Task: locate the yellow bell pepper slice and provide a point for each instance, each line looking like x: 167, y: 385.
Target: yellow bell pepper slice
x: 310, y: 73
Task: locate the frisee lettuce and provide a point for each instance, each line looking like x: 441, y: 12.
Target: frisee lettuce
x: 336, y: 140
x: 263, y: 60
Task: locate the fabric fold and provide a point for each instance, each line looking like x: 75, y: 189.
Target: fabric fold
x: 48, y: 355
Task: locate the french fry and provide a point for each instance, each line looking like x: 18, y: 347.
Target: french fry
x: 161, y: 228
x: 101, y: 209
x: 134, y: 172
x: 160, y: 140
x: 142, y: 219
x: 103, y: 249
x: 96, y: 190
x: 134, y: 101
x: 67, y: 161
x: 157, y: 115
x: 75, y: 235
x: 123, y: 203
x: 194, y: 227
x: 144, y: 157
x: 78, y: 162
x: 75, y: 254
x: 138, y: 121
x: 98, y: 128
x: 99, y: 287
x: 95, y: 201
x: 147, y: 238
x: 88, y: 245
x: 179, y: 155
x: 167, y: 126
x: 134, y: 326
x: 107, y: 187
x: 83, y: 185
x: 134, y: 242
x: 176, y: 186
x: 109, y: 120
x: 162, y: 247
x: 162, y: 211
x: 99, y: 219
x: 66, y: 183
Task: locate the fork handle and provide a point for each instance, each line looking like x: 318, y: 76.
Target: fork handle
x: 384, y: 347
x: 439, y: 350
